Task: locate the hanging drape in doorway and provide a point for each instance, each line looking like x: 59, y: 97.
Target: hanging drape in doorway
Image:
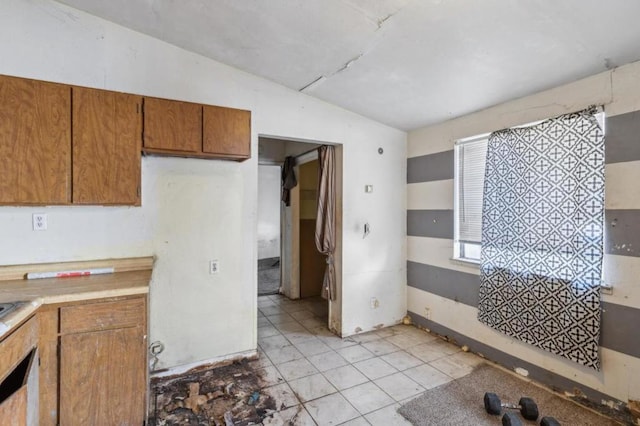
x: 288, y: 179
x: 326, y: 217
x: 542, y: 231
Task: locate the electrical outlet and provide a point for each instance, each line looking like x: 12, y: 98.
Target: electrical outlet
x: 374, y: 303
x: 39, y: 222
x: 427, y: 313
x: 214, y: 266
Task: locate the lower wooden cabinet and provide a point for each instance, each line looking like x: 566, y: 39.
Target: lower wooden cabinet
x: 101, y: 365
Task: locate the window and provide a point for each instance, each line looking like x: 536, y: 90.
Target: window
x: 470, y: 157
x: 470, y: 160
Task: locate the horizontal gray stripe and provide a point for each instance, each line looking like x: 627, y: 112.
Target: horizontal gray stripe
x: 622, y: 234
x: 430, y: 223
x: 539, y: 374
x: 622, y: 138
x: 618, y: 326
x: 455, y: 285
x: 618, y: 322
x: 427, y: 168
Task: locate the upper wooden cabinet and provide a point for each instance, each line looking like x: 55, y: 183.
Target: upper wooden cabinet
x: 226, y: 131
x: 106, y: 147
x: 172, y: 125
x: 62, y: 144
x: 193, y: 130
x: 35, y: 142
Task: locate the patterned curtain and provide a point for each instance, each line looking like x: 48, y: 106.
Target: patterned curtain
x: 542, y: 232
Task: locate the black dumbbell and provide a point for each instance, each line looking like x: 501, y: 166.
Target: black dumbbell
x: 511, y: 419
x: 527, y: 406
x: 549, y: 421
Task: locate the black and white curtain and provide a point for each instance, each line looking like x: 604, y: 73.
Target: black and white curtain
x: 542, y: 232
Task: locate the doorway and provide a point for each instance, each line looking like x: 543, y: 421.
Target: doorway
x: 312, y: 262
x: 300, y: 265
x: 268, y: 229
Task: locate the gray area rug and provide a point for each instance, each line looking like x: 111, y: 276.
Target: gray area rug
x: 460, y: 402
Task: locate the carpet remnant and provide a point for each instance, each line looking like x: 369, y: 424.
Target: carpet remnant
x: 460, y: 402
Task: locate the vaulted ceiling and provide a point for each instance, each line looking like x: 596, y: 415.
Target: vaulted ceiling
x: 405, y: 63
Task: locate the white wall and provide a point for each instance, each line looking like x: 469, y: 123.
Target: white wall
x: 196, y: 210
x: 268, y: 212
x: 619, y: 91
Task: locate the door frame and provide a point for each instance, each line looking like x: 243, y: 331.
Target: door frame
x: 290, y: 234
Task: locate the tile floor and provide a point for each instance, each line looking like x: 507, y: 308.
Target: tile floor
x: 317, y: 378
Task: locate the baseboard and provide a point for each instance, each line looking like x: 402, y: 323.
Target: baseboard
x: 545, y: 377
x: 205, y: 364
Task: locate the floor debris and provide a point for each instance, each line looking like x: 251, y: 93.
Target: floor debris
x: 224, y: 396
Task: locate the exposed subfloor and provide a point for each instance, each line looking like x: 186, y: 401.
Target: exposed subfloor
x: 305, y: 375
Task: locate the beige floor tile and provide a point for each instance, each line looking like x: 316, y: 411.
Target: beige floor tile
x: 293, y: 416
x: 282, y: 355
x: 355, y: 353
x: 270, y: 375
x: 367, y: 397
x: 302, y: 314
x: 312, y: 347
x: 468, y: 358
x: 312, y: 323
x: 299, y: 337
x: 267, y: 331
x: 331, y: 410
x: 263, y: 360
x: 358, y: 421
x: 270, y: 310
x: 280, y: 318
x: 406, y: 340
x: 272, y: 342
x: 385, y: 332
x: 282, y: 395
x: 365, y: 337
x: 312, y: 387
x: 294, y: 307
x: 387, y: 416
x: 399, y: 386
x: 427, y: 376
x: 345, y: 377
x: 335, y: 342
x: 426, y: 352
x: 452, y: 367
x: 375, y: 368
x: 291, y: 327
x: 327, y: 361
x: 322, y: 332
x: 445, y: 347
x: 402, y: 360
x: 296, y: 369
x: 262, y: 321
x: 381, y: 347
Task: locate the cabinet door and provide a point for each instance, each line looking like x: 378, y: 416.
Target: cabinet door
x: 226, y: 132
x: 172, y: 125
x: 35, y: 142
x: 102, y: 378
x: 106, y: 147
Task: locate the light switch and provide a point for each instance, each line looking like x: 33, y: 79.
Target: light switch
x: 368, y: 189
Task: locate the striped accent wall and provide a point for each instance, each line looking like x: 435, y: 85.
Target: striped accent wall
x: 432, y: 272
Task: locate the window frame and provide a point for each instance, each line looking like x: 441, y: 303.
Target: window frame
x: 460, y: 247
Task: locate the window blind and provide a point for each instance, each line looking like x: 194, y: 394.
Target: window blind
x: 471, y: 162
